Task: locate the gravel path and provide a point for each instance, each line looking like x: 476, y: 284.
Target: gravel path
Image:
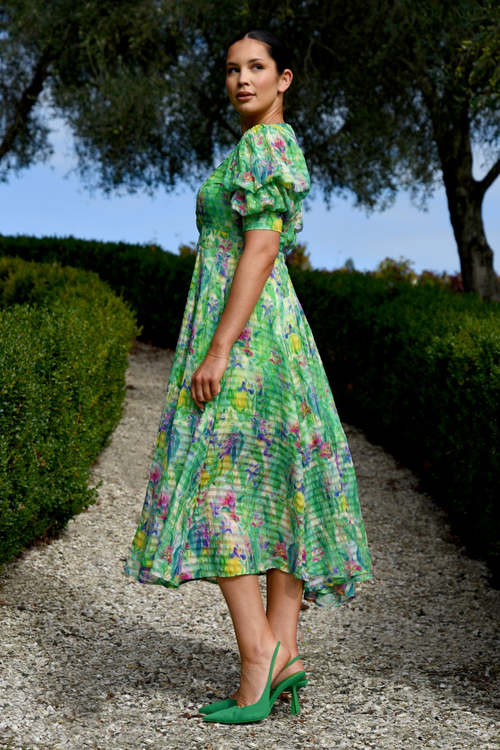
x: 89, y: 658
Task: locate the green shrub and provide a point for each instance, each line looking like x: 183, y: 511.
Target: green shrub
x: 414, y: 364
x: 154, y: 282
x: 401, y: 270
x: 63, y: 354
x: 419, y: 369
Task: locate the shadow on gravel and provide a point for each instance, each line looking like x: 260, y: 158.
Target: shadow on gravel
x: 100, y: 655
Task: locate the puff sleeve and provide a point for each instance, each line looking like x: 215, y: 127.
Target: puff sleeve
x: 267, y: 177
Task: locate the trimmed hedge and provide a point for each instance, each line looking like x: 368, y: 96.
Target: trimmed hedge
x: 419, y: 369
x: 417, y: 366
x: 63, y: 355
x: 154, y: 282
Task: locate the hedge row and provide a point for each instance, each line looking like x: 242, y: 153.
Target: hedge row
x: 418, y: 367
x: 63, y: 355
x: 154, y: 282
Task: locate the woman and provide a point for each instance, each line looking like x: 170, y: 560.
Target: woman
x: 252, y: 472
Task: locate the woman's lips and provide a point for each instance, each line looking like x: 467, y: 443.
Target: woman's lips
x: 244, y: 96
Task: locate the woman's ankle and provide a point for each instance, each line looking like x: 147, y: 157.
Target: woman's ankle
x: 260, y: 651
x: 289, y: 644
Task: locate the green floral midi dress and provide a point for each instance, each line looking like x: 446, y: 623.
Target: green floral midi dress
x: 262, y: 477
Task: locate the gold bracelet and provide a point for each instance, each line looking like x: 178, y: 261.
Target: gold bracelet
x: 217, y: 355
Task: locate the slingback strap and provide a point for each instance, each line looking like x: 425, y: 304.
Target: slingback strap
x: 291, y: 662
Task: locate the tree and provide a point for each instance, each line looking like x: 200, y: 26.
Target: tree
x: 134, y: 79
x: 114, y: 70
x: 400, y: 98
x: 388, y: 94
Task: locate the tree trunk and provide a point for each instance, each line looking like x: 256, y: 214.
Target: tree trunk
x: 26, y: 102
x: 465, y: 200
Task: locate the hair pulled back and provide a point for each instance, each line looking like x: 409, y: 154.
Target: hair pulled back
x: 276, y: 48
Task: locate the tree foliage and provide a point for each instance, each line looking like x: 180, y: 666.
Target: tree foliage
x: 387, y: 95
x: 415, y: 86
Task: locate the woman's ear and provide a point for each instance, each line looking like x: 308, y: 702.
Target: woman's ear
x: 285, y: 81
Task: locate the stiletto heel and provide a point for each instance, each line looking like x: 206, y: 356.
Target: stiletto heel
x: 295, y: 705
x: 211, y: 708
x: 256, y: 711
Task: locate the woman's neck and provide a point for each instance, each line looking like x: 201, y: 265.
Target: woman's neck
x: 272, y: 118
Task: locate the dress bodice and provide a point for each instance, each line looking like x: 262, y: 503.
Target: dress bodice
x: 213, y: 209
x: 260, y: 185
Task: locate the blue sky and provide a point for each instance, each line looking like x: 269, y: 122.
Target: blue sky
x: 43, y: 200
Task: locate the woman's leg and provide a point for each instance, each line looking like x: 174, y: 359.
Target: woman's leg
x: 255, y: 638
x: 284, y: 597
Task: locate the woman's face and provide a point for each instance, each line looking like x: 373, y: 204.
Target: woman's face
x: 253, y: 83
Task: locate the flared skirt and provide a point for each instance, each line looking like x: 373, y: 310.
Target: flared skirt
x: 262, y: 477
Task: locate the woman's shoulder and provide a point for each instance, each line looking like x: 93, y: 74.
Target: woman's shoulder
x: 270, y: 150
x: 276, y: 137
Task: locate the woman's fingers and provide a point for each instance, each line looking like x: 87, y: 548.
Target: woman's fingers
x: 203, y: 389
x: 207, y: 390
x: 197, y: 393
x: 205, y: 382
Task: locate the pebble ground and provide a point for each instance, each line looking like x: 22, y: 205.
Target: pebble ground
x: 90, y: 658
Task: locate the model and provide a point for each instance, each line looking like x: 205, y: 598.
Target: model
x: 251, y: 472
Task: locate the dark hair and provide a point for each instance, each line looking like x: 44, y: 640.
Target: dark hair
x: 276, y: 48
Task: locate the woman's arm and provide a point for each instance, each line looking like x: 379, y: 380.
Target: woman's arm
x: 254, y: 267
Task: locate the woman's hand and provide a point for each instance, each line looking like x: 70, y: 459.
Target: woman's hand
x: 205, y: 382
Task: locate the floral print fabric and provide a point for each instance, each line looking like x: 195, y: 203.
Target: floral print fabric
x: 262, y: 477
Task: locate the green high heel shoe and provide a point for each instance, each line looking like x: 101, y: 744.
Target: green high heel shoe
x: 259, y: 710
x: 211, y: 708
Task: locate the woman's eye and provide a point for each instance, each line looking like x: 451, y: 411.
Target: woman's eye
x: 256, y: 65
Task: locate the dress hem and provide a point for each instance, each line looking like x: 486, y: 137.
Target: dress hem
x: 323, y: 596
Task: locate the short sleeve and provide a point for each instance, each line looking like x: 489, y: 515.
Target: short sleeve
x: 267, y: 178
x: 265, y: 219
